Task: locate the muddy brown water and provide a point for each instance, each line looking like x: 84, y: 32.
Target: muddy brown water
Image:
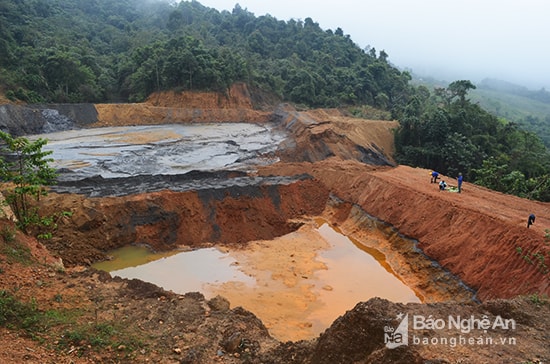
x: 297, y: 284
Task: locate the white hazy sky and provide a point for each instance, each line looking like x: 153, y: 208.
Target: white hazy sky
x: 450, y: 40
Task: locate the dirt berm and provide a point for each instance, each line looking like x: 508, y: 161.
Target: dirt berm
x: 479, y: 236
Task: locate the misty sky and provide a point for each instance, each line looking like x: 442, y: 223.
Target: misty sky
x: 450, y: 40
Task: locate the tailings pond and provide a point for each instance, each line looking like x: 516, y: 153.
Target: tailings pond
x: 297, y: 284
x: 161, y: 149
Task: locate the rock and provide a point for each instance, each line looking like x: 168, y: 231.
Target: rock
x: 232, y: 343
x: 219, y: 303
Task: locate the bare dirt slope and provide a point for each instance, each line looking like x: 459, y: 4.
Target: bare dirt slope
x: 171, y: 107
x: 479, y: 235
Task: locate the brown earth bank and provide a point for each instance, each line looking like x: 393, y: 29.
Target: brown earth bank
x: 237, y: 105
x: 478, y: 235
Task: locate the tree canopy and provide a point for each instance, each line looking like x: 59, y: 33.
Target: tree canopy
x: 104, y: 51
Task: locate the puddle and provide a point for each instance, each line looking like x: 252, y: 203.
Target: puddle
x: 179, y: 272
x: 160, y: 149
x: 297, y: 284
x: 352, y: 277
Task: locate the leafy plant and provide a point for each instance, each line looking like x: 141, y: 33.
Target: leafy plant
x: 25, y: 167
x: 537, y: 259
x: 538, y: 299
x: 8, y: 234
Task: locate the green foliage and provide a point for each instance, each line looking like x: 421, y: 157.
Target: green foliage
x: 26, y: 167
x: 16, y: 252
x: 537, y: 259
x: 98, y: 336
x: 8, y: 234
x: 18, y: 315
x: 538, y: 300
x: 444, y: 131
x: 15, y: 314
x: 71, y: 51
x: 529, y: 109
x: 12, y: 249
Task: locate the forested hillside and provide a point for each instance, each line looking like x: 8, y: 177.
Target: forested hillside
x: 103, y: 50
x: 529, y: 109
x: 122, y: 51
x: 445, y: 131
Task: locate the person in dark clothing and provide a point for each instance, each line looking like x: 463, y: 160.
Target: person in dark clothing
x: 435, y: 176
x: 459, y: 180
x: 530, y: 220
x: 442, y: 186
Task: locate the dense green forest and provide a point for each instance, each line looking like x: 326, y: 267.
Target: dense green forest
x: 120, y: 51
x: 77, y: 50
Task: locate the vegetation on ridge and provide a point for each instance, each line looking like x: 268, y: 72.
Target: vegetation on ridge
x: 446, y: 132
x: 77, y: 51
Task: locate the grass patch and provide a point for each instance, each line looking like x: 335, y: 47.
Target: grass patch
x: 13, y: 250
x: 62, y: 328
x: 93, y: 336
x: 538, y: 300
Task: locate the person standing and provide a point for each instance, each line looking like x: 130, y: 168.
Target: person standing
x: 530, y: 220
x: 459, y: 180
x: 435, y: 176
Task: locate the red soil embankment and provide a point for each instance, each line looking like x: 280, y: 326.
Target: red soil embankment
x: 185, y: 107
x: 318, y: 134
x: 476, y: 235
x: 167, y: 220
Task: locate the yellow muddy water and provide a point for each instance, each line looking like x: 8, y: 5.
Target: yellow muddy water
x: 297, y: 284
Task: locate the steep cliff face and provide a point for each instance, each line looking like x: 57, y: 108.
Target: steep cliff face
x: 236, y: 105
x: 237, y: 97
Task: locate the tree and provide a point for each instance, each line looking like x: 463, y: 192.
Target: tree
x: 24, y: 166
x: 460, y: 88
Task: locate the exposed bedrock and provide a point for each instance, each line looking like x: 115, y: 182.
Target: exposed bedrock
x: 37, y: 119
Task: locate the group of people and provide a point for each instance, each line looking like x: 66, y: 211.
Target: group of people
x: 443, y: 184
x: 459, y: 179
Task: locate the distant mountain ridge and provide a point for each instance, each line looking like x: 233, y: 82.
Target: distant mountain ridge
x: 529, y: 109
x: 507, y: 87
